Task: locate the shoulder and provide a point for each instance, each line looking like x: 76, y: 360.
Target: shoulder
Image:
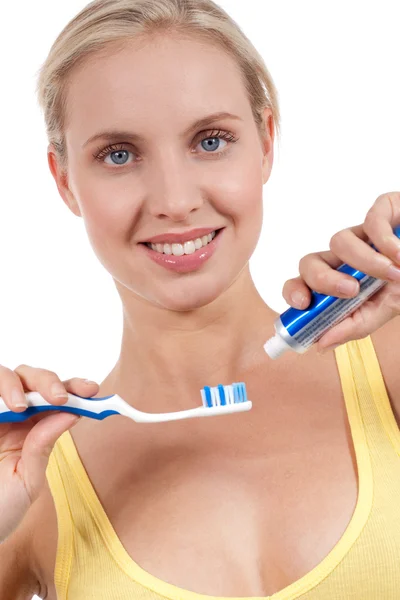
x: 386, y: 341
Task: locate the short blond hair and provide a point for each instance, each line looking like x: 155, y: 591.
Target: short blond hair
x: 111, y: 21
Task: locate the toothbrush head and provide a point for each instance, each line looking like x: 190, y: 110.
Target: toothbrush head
x: 230, y: 398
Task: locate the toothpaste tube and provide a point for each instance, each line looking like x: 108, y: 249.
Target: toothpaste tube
x: 299, y: 329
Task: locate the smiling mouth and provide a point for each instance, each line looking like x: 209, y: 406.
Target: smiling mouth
x: 186, y: 248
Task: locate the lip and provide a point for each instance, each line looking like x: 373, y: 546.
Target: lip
x: 180, y: 238
x: 187, y: 262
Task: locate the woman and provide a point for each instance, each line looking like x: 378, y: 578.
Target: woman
x: 160, y: 131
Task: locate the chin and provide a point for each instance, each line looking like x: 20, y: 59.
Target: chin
x: 184, y: 297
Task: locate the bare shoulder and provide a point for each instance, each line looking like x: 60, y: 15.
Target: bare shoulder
x: 386, y: 341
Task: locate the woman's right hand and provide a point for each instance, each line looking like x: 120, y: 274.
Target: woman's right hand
x: 25, y: 447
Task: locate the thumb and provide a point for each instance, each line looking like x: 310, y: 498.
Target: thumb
x: 37, y: 448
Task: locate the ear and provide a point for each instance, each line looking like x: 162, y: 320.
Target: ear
x: 268, y: 144
x: 61, y: 178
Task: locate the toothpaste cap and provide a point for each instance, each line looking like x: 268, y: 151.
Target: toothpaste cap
x: 276, y: 346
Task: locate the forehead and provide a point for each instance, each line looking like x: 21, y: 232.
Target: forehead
x: 164, y: 77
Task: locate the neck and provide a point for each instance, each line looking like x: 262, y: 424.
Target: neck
x: 167, y: 356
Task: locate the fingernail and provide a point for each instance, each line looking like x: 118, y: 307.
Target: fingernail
x: 58, y: 391
x: 394, y: 273
x: 347, y: 287
x: 18, y: 399
x: 298, y: 299
x: 90, y: 382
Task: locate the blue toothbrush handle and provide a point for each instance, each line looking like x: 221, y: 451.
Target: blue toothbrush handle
x: 94, y: 408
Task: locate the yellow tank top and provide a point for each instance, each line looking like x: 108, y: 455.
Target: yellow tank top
x: 364, y: 565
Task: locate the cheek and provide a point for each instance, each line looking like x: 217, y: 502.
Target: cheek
x: 109, y: 223
x: 242, y: 194
x: 108, y: 208
x: 107, y: 202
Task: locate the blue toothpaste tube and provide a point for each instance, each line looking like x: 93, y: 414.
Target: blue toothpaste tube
x: 299, y: 329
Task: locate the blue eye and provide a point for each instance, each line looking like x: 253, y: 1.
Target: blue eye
x: 118, y: 154
x: 211, y: 143
x: 118, y: 157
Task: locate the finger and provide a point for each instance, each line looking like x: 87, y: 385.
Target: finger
x: 369, y: 317
x: 349, y: 248
x: 318, y: 272
x: 379, y: 223
x: 37, y: 448
x: 81, y: 387
x: 11, y: 390
x: 77, y: 386
x: 352, y: 250
x: 46, y: 382
x: 296, y: 293
x: 50, y: 386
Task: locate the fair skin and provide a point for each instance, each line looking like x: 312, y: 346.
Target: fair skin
x: 183, y: 330
x: 180, y: 330
x: 230, y: 484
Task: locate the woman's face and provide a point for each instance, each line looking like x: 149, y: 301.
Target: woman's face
x: 161, y: 173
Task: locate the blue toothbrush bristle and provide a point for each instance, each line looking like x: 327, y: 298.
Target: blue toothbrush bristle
x: 223, y: 395
x: 222, y: 399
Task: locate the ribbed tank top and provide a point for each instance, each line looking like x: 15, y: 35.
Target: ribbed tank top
x: 92, y: 563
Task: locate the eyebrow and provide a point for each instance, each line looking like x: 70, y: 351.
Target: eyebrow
x: 117, y: 134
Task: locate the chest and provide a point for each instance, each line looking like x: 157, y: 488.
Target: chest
x: 232, y: 510
x: 249, y: 529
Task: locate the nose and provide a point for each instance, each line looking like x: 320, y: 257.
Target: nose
x: 175, y: 190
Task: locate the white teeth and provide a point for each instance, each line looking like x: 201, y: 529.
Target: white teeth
x: 187, y: 248
x: 177, y: 250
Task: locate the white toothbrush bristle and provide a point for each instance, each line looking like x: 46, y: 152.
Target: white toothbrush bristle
x: 229, y: 394
x: 233, y: 394
x: 215, y: 396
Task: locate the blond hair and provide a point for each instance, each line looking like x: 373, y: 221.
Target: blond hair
x: 111, y: 21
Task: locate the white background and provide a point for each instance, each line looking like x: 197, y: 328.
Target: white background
x: 336, y: 67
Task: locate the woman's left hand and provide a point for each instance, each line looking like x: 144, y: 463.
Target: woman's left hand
x: 351, y: 246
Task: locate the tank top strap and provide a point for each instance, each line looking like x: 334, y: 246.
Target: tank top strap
x: 360, y: 371
x: 79, y: 525
x: 65, y: 494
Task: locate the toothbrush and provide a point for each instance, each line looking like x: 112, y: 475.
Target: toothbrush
x: 219, y: 400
